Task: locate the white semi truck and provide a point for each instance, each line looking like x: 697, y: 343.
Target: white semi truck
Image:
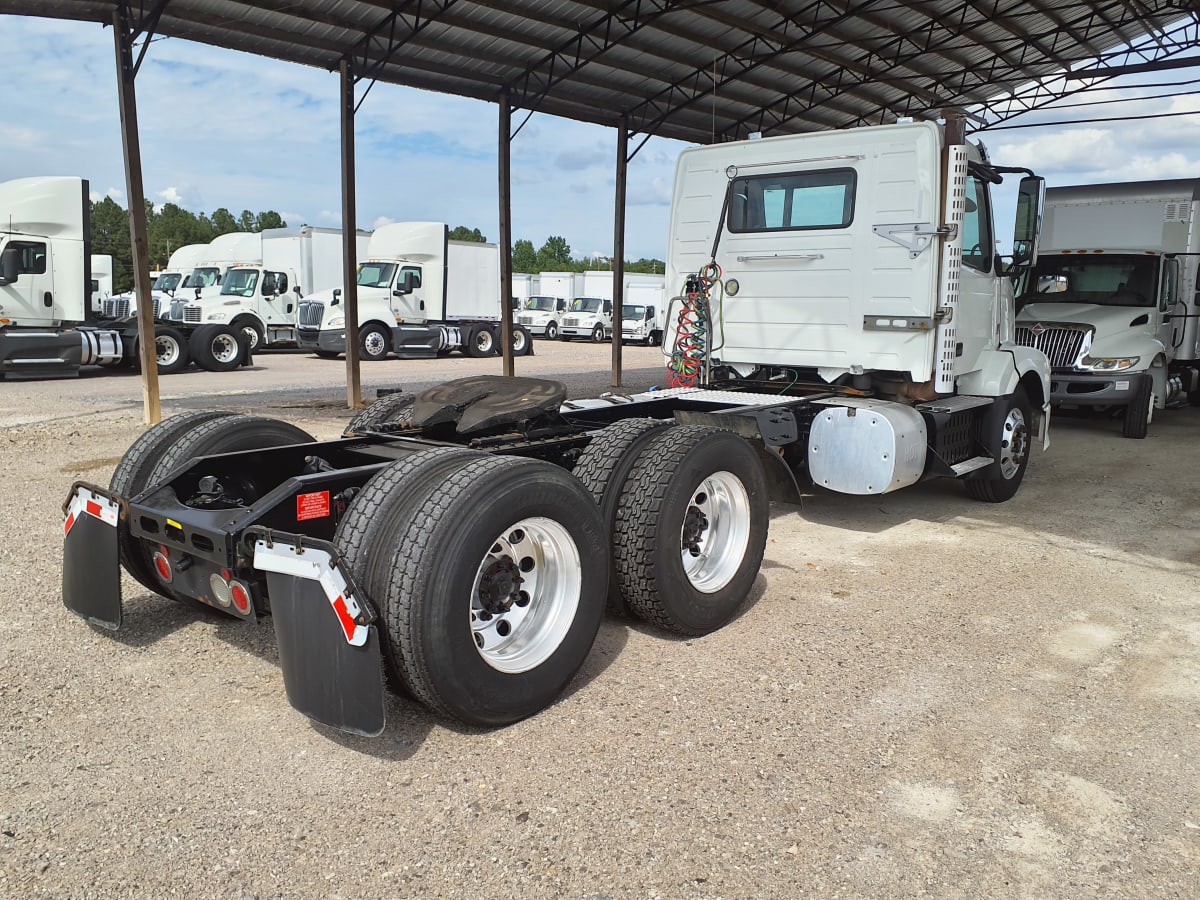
x: 47, y: 325
x: 262, y: 298
x: 590, y: 314
x: 1112, y: 301
x: 101, y: 283
x: 420, y: 295
x: 174, y: 278
x: 842, y: 324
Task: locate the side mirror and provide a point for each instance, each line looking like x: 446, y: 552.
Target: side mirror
x: 10, y: 265
x: 1030, y: 196
x: 198, y: 293
x: 337, y: 297
x: 296, y: 291
x: 649, y: 313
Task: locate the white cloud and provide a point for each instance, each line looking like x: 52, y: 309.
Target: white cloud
x: 170, y: 195
x: 383, y: 220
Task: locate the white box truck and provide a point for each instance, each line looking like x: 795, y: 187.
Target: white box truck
x: 1112, y: 301
x: 420, y: 295
x: 262, y: 299
x: 844, y: 325
x: 541, y: 314
x: 643, y: 314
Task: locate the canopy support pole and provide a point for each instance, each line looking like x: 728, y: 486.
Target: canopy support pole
x: 349, y: 240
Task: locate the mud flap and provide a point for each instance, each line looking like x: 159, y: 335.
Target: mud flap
x: 329, y: 648
x: 91, y: 586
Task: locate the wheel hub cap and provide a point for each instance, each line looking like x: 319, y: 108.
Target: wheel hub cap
x: 715, y: 532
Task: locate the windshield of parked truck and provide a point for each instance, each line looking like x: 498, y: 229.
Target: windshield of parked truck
x: 240, y: 282
x: 586, y: 304
x: 540, y: 304
x: 376, y: 274
x: 629, y: 311
x: 204, y: 276
x: 1108, y: 280
x: 167, y: 281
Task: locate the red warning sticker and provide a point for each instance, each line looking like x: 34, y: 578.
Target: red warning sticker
x: 312, y: 506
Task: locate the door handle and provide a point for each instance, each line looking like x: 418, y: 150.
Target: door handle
x: 752, y: 257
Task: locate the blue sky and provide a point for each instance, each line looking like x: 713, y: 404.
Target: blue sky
x: 222, y: 128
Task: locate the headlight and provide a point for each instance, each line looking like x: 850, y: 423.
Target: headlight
x: 335, y: 322
x: 1109, y: 363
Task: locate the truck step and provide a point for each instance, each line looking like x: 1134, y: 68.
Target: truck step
x: 954, y: 404
x: 970, y: 465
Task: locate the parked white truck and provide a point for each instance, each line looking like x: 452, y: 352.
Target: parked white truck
x: 420, y: 295
x: 47, y: 325
x: 832, y: 331
x: 164, y: 286
x: 643, y: 314
x: 541, y: 314
x: 1112, y: 301
x: 101, y: 283
x: 262, y: 298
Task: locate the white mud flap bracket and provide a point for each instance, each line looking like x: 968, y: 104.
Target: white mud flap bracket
x: 329, y: 646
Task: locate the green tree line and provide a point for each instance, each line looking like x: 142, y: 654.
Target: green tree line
x: 168, y: 228
x: 555, y: 256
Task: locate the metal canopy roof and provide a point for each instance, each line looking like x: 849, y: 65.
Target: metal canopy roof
x: 695, y: 70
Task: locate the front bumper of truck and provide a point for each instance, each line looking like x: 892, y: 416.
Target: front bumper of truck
x: 324, y: 340
x: 1069, y: 388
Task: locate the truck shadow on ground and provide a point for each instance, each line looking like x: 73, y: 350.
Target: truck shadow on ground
x: 149, y: 618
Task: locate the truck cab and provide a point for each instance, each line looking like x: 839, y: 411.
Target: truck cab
x: 389, y: 291
x: 587, y: 317
x: 541, y: 314
x: 641, y: 323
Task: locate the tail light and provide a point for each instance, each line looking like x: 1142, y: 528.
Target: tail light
x: 162, y: 564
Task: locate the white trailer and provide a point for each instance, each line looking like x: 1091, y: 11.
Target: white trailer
x: 419, y: 295
x: 1112, y: 301
x: 523, y: 287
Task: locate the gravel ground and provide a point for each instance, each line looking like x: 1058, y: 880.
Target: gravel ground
x: 924, y: 695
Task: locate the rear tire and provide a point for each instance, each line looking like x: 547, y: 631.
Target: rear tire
x: 496, y: 589
x: 367, y: 532
x: 132, y: 476
x: 481, y: 342
x: 1007, y: 438
x: 1138, y: 413
x: 520, y: 341
x: 691, y: 529
x: 170, y: 350
x: 216, y: 348
x: 602, y: 469
x: 227, y: 434
x: 389, y: 409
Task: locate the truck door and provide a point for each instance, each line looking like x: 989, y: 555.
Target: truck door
x: 1170, y: 327
x: 975, y: 329
x: 279, y: 304
x: 409, y: 306
x: 32, y: 294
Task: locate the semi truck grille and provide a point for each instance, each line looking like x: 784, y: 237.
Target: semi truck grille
x: 1060, y: 344
x: 191, y: 313
x: 310, y: 314
x: 524, y: 320
x: 571, y: 320
x: 115, y: 308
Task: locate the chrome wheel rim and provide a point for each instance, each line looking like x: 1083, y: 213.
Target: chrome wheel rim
x: 1014, y: 443
x: 483, y: 341
x: 225, y: 348
x: 374, y: 344
x: 166, y: 350
x: 715, y: 532
x: 525, y: 595
x: 251, y: 336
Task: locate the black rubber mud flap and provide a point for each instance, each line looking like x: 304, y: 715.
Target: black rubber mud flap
x: 91, y: 585
x: 329, y: 650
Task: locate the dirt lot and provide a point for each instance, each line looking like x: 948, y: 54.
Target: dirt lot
x: 925, y: 695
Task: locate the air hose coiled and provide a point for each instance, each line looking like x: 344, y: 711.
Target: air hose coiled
x: 693, y: 329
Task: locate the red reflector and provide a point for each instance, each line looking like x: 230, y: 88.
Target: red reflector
x: 343, y: 614
x: 70, y: 522
x: 163, y: 566
x: 241, y: 597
